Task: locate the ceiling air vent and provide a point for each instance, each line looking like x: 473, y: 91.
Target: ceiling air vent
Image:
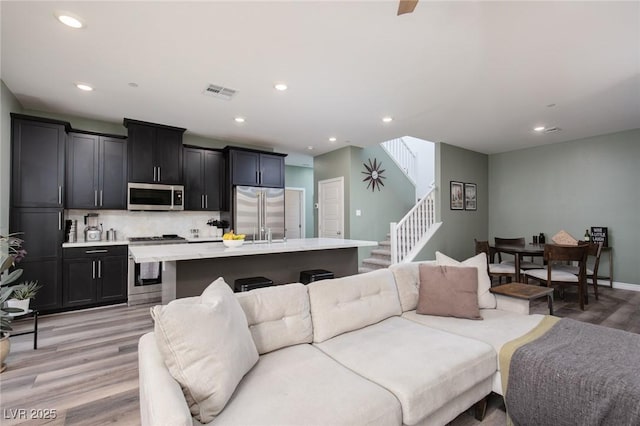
x: 219, y: 92
x: 552, y: 130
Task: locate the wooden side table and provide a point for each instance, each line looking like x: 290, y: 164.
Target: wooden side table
x: 30, y: 313
x: 525, y: 291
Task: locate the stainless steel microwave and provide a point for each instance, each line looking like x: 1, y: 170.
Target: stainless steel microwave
x: 154, y: 196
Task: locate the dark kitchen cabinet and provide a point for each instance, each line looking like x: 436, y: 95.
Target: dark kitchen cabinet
x: 96, y: 171
x: 42, y: 232
x: 203, y: 178
x: 154, y: 152
x: 255, y: 168
x: 37, y: 161
x: 94, y: 276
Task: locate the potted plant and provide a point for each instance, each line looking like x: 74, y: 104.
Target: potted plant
x: 11, y: 251
x: 22, y: 295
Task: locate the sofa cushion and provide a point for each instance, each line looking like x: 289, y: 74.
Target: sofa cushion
x: 299, y: 385
x: 407, y: 279
x: 496, y: 329
x: 448, y: 291
x: 423, y: 367
x: 486, y: 300
x: 206, y: 346
x: 278, y: 316
x: 345, y: 304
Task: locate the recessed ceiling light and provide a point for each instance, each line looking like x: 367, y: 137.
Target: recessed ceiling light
x: 132, y: 84
x: 332, y: 139
x: 281, y: 87
x: 69, y: 20
x: 539, y: 129
x: 239, y: 119
x: 309, y: 147
x: 387, y: 119
x: 551, y: 105
x: 84, y: 87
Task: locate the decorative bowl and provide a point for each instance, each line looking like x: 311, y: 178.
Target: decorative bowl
x: 232, y: 243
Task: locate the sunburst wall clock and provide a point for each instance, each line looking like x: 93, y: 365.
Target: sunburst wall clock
x: 373, y: 174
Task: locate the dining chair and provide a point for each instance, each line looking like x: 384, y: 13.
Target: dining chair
x: 551, y: 276
x: 498, y: 270
x: 520, y: 241
x: 595, y: 249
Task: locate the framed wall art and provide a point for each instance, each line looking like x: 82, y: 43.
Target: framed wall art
x: 457, y: 195
x: 470, y: 196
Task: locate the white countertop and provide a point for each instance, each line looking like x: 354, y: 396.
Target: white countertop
x: 171, y: 252
x: 82, y: 243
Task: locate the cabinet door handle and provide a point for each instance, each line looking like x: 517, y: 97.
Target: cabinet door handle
x: 154, y: 173
x: 59, y: 194
x: 93, y: 269
x: 99, y: 268
x: 159, y: 174
x: 95, y: 197
x: 206, y: 201
x: 101, y: 198
x: 96, y: 251
x: 257, y: 176
x: 202, y: 201
x: 59, y: 221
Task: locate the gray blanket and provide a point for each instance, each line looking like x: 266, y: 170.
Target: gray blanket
x: 576, y: 374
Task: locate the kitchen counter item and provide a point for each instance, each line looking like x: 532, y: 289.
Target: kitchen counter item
x: 111, y: 234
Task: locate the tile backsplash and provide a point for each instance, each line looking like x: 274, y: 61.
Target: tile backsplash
x: 145, y: 224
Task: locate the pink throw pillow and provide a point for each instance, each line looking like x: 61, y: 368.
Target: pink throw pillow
x: 448, y: 291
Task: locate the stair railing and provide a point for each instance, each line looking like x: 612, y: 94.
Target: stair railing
x: 403, y: 156
x: 410, y: 234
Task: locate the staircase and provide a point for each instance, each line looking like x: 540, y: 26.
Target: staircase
x: 380, y: 257
x: 406, y: 238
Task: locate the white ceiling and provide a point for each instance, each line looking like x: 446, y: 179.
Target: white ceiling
x: 478, y: 75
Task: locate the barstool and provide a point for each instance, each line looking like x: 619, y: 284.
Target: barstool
x: 250, y: 283
x: 312, y: 275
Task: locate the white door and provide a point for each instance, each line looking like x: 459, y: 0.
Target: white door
x: 294, y: 213
x: 331, y: 208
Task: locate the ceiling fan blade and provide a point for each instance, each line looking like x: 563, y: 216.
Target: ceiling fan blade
x: 406, y: 6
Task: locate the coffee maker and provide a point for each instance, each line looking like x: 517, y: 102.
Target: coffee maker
x: 92, y: 232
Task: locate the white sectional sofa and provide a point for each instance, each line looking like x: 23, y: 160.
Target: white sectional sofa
x: 349, y: 351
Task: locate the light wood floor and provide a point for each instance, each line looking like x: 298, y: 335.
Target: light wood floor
x: 85, y: 367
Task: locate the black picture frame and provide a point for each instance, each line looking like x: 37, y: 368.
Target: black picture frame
x: 470, y: 196
x: 456, y: 195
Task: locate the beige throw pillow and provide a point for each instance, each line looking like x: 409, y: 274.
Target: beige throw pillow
x: 206, y: 346
x: 448, y: 291
x: 486, y: 299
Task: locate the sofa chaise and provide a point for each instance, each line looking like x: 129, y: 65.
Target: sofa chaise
x: 344, y: 351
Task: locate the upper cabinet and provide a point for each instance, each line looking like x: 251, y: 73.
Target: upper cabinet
x: 96, y: 171
x: 155, y: 152
x: 256, y: 168
x: 37, y: 161
x: 203, y: 178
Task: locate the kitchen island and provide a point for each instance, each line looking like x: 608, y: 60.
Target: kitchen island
x: 187, y: 269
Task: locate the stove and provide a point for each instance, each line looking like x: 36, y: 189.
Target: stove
x: 164, y: 239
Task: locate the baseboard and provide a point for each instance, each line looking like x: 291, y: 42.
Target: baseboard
x: 619, y: 285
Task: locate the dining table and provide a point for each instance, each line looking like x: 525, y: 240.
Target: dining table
x: 519, y: 251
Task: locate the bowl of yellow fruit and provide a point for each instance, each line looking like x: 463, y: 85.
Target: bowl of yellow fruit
x: 232, y: 240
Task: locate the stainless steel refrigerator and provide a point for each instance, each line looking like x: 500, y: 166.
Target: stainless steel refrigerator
x: 258, y: 211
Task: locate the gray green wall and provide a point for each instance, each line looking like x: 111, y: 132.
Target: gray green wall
x: 378, y: 208
x: 459, y: 227
x: 572, y: 186
x: 8, y: 104
x: 302, y: 177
